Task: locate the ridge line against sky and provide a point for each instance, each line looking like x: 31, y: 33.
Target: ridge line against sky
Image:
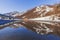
x: 22, y: 5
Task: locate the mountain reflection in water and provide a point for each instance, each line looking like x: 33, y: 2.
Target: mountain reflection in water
x: 23, y: 34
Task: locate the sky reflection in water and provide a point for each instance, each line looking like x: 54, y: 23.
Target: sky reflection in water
x: 23, y: 34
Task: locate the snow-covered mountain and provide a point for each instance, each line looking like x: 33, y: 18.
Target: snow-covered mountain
x: 43, y: 10
x: 14, y: 13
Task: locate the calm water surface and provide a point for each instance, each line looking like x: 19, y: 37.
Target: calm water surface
x: 21, y: 33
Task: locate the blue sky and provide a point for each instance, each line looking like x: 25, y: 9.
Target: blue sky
x: 22, y: 5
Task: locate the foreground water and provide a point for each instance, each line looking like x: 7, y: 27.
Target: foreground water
x: 22, y: 33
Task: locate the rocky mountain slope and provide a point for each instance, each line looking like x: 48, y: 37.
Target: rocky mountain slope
x: 43, y: 10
